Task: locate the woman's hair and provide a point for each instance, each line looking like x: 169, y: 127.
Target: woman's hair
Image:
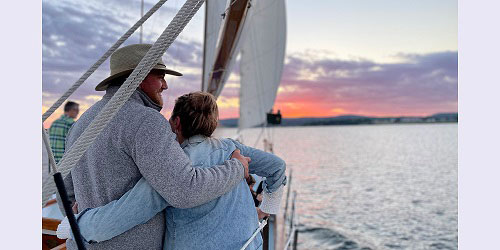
x: 198, y: 113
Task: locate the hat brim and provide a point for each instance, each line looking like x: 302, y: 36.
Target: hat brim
x: 103, y: 85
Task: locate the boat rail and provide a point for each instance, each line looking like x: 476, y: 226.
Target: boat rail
x: 293, y: 233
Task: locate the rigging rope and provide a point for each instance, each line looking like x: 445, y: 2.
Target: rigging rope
x: 79, y: 148
x: 290, y: 237
x: 46, y: 142
x: 261, y: 226
x: 103, y: 58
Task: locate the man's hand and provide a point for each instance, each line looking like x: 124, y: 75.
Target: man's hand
x: 261, y: 214
x: 259, y: 197
x: 244, y: 160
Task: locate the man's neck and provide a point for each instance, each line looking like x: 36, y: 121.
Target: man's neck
x: 139, y: 94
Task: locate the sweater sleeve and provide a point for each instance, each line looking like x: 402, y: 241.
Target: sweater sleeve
x: 168, y: 169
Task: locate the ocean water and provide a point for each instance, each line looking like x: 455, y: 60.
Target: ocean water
x: 371, y: 187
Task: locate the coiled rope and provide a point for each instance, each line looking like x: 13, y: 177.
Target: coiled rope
x: 73, y: 155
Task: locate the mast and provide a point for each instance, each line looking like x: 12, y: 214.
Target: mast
x: 227, y: 48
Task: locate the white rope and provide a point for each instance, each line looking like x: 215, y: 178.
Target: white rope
x: 103, y: 58
x: 290, y: 237
x: 52, y: 161
x: 46, y: 142
x: 261, y: 226
x: 73, y: 155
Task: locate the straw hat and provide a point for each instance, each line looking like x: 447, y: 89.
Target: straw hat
x: 124, y: 60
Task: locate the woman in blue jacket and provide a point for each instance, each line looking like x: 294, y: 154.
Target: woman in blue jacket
x: 224, y: 223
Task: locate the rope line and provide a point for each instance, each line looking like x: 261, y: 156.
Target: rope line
x: 290, y: 237
x: 103, y: 58
x: 81, y: 145
x: 46, y: 142
x: 293, y: 222
x: 261, y: 226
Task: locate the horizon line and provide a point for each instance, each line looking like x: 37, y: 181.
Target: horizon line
x: 369, y: 116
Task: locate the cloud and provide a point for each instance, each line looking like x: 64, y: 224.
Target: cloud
x: 314, y: 82
x: 420, y: 82
x: 75, y: 34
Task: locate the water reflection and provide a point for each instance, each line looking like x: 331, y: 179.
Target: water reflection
x: 377, y: 187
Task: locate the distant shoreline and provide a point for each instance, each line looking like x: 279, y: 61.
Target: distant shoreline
x: 358, y: 120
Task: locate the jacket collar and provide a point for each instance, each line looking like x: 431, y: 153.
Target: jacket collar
x: 137, y: 96
x: 67, y: 118
x: 195, y: 139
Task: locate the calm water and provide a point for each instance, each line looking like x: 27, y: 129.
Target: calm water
x: 371, y: 187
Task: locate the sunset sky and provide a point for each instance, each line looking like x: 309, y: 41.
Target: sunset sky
x: 376, y: 58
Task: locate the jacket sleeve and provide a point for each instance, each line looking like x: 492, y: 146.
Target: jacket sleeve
x: 135, y: 207
x: 168, y: 169
x: 273, y: 168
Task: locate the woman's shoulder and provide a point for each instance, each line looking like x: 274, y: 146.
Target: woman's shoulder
x: 205, y: 146
x: 221, y: 143
x: 210, y: 152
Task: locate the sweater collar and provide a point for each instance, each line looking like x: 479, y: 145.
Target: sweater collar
x: 137, y: 96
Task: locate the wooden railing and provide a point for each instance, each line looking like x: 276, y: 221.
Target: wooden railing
x: 50, y: 202
x: 49, y: 238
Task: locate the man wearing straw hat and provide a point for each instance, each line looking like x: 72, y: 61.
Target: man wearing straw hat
x: 138, y: 142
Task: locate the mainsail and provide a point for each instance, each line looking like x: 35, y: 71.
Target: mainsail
x: 261, y: 65
x: 258, y: 29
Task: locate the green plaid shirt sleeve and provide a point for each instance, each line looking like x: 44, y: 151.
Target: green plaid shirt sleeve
x: 57, y: 135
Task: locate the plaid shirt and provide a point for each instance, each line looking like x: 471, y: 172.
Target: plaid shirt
x: 57, y: 134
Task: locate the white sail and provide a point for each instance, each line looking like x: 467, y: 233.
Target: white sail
x: 262, y: 56
x: 213, y: 21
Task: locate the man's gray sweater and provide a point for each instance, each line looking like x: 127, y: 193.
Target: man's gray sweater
x: 139, y: 142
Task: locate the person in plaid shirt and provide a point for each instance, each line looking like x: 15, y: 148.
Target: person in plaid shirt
x: 60, y: 127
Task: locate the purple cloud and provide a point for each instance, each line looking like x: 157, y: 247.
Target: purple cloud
x: 76, y: 34
x: 420, y: 81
